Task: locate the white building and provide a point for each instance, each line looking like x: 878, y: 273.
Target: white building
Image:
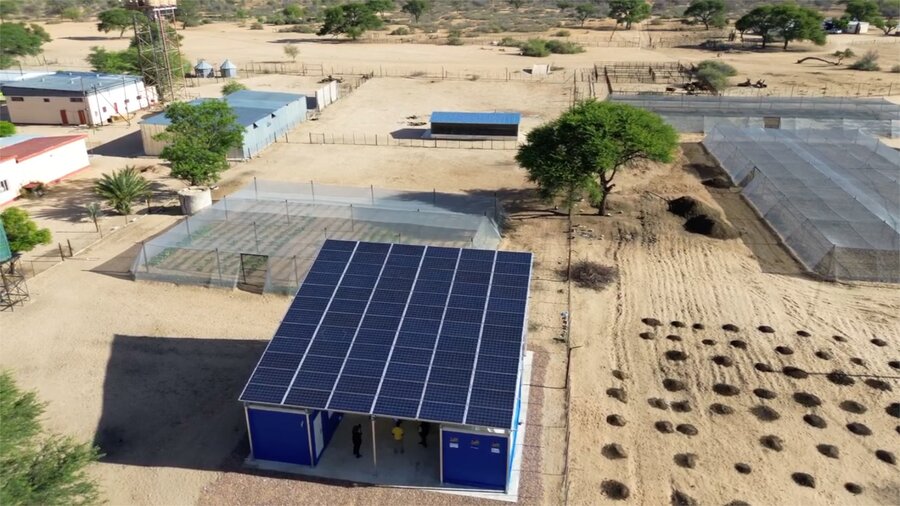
x: 76, y: 98
x: 28, y: 159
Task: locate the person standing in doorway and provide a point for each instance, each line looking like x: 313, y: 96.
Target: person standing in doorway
x: 357, y: 439
x: 424, y: 429
x: 397, y: 432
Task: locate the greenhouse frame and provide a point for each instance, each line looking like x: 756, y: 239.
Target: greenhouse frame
x: 832, y: 196
x: 267, y: 234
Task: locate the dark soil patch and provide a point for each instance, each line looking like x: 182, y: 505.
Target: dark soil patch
x: 673, y: 337
x: 853, y: 488
x: 858, y: 361
x: 730, y: 327
x: 682, y: 407
x: 765, y: 329
x: 673, y: 385
x: 687, y: 429
x: 719, y: 182
x: 841, y: 378
x: 743, y: 468
x: 737, y: 343
x: 886, y: 457
x: 649, y: 336
x: 738, y: 503
x: 761, y: 367
x: 657, y: 403
x: 701, y: 218
x: 894, y: 364
x: 664, y: 427
x: 784, y: 350
x: 807, y: 399
x: 615, y: 490
x: 859, y: 429
x: 677, y: 324
x: 619, y: 375
x: 618, y: 394
x: 771, y: 442
x: 853, y: 407
x: 614, y: 451
x: 803, y: 333
x: 679, y: 498
x: 721, y: 409
x: 824, y: 355
x: 878, y: 384
x: 840, y: 339
x: 879, y: 342
x: 829, y: 451
x: 893, y: 409
x: 794, y: 372
x: 686, y: 460
x: 726, y: 389
x: 615, y: 420
x: 653, y: 322
x: 723, y: 361
x: 708, y: 342
x: 804, y: 480
x: 698, y: 326
x: 764, y: 413
x: 815, y: 421
x: 762, y: 393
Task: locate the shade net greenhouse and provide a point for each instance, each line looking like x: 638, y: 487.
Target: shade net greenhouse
x: 832, y: 196
x: 266, y: 235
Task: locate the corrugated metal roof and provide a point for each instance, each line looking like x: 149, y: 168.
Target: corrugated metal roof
x: 30, y: 148
x: 227, y: 65
x: 9, y: 76
x: 203, y: 65
x: 72, y: 81
x: 249, y: 106
x: 476, y: 118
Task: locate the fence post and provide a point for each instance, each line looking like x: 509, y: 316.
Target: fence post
x: 296, y: 271
x: 62, y: 256
x: 225, y: 205
x: 434, y: 196
x: 218, y: 265
x: 255, y: 188
x: 310, y: 137
x: 287, y: 211
x: 71, y: 252
x: 312, y: 189
x: 352, y: 227
x: 187, y: 224
x: 255, y: 237
x: 146, y: 259
x: 372, y: 192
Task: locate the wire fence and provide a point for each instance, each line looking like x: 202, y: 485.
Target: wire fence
x: 368, y: 139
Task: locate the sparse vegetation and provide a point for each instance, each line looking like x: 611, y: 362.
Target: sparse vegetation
x: 400, y: 31
x: 18, y: 40
x: 895, y: 69
x: 562, y: 33
x: 583, y: 12
x: 563, y: 47
x: 416, y: 8
x: 352, y: 19
x: 593, y: 275
x: 256, y: 25
x: 628, y: 12
x: 535, y: 47
x: 868, y: 62
x: 232, y: 86
x: 291, y: 51
x: 455, y: 38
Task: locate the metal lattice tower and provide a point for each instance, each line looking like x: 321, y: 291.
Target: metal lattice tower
x: 159, y: 52
x: 13, y: 289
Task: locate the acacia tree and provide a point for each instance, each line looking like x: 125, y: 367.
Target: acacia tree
x: 583, y: 150
x: 708, y: 12
x: 416, y: 8
x: 352, y: 20
x: 291, y: 50
x: 628, y: 12
x: 18, y: 40
x: 38, y: 467
x: 23, y: 233
x: 199, y: 138
x: 380, y: 6
x: 862, y: 10
x: 583, y: 12
x: 790, y: 21
x: 115, y: 19
x: 516, y: 4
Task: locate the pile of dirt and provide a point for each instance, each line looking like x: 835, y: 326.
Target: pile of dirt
x: 701, y: 218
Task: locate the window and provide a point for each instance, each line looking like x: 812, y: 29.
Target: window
x: 104, y: 108
x: 4, y: 186
x: 127, y: 100
x: 46, y: 100
x: 138, y: 97
x: 76, y: 99
x: 17, y: 99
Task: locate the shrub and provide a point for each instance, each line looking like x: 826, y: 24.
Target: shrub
x: 895, y: 69
x: 563, y: 47
x: 510, y: 42
x: 256, y: 26
x: 400, y: 31
x: 847, y: 53
x: 593, y: 275
x: 536, y: 48
x: 232, y: 86
x: 720, y: 67
x: 454, y: 39
x: 867, y: 62
x: 7, y: 129
x: 715, y: 73
x: 562, y: 33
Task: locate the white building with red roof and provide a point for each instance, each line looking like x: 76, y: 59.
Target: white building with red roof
x: 26, y: 159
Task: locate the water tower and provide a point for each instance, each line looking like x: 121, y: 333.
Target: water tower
x: 13, y: 290
x: 159, y: 52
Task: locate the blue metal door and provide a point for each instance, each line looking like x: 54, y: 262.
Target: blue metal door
x: 279, y: 436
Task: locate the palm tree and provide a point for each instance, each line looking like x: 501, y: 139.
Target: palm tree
x: 122, y: 188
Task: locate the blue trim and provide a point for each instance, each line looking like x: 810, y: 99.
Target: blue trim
x: 476, y: 118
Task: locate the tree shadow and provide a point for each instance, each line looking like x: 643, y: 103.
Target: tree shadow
x: 68, y: 200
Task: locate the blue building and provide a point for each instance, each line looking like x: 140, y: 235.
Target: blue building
x: 204, y: 69
x: 475, y: 125
x: 265, y: 115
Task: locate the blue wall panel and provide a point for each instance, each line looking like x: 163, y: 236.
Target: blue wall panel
x: 279, y: 436
x: 475, y: 460
x: 330, y: 422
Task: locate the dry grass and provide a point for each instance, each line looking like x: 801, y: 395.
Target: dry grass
x: 593, y: 275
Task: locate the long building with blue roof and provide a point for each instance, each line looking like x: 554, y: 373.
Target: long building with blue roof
x: 474, y: 125
x: 265, y: 116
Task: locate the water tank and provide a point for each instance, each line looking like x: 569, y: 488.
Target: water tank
x: 194, y: 198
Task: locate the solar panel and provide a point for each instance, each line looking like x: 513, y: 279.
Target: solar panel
x: 419, y: 332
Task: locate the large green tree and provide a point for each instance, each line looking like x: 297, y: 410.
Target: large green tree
x: 380, y: 6
x: 23, y: 234
x: 114, y: 62
x: 18, y: 40
x: 352, y: 20
x: 789, y: 21
x: 188, y: 13
x: 199, y: 139
x: 628, y: 12
x: 37, y: 467
x: 708, y: 12
x: 583, y: 12
x: 416, y: 8
x: 862, y: 10
x: 115, y: 19
x: 583, y: 150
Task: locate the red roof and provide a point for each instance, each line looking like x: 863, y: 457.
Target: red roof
x: 33, y: 147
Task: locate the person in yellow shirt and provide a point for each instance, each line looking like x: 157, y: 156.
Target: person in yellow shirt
x: 397, y: 432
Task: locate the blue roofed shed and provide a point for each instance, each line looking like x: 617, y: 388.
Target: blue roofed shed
x: 264, y: 115
x: 228, y: 69
x: 204, y: 69
x: 474, y: 125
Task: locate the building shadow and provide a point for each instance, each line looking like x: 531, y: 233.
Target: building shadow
x: 410, y: 133
x: 126, y: 146
x: 172, y: 401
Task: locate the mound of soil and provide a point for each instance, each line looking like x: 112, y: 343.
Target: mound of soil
x: 893, y: 409
x: 698, y: 326
x: 677, y: 324
x: 723, y: 361
x: 653, y: 322
x: 687, y: 429
x: 657, y: 403
x: 673, y: 385
x: 730, y: 327
x: 853, y: 407
x: 764, y: 413
x: 681, y: 499
x: 762, y: 367
x: 676, y: 355
x: 762, y: 393
x: 803, y: 333
x: 721, y: 409
x: 682, y: 407
x: 886, y: 457
x: 686, y: 460
x: 708, y: 342
x: 804, y: 480
x: 853, y: 488
x: 766, y: 329
x: 743, y: 468
x: 618, y: 394
x: 674, y: 337
x: 879, y: 342
x: 619, y: 375
x: 829, y: 451
x: 647, y: 335
x: 794, y: 372
x: 614, y: 451
x: 737, y: 343
x: 726, y: 389
x: 615, y: 420
x: 615, y: 490
x: 773, y: 443
x: 858, y: 361
x: 894, y: 364
x: 859, y: 429
x: 840, y: 339
x: 701, y: 218
x: 822, y: 354
x: 878, y: 384
x: 664, y: 426
x: 815, y: 421
x: 784, y: 350
x: 807, y: 399
x: 841, y: 378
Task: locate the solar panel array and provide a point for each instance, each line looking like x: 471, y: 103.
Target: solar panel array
x: 416, y: 332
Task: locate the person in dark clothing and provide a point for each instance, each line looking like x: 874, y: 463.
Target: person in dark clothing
x: 424, y: 429
x: 357, y: 439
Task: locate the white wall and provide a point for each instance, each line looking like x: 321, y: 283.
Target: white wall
x: 45, y: 168
x: 97, y: 108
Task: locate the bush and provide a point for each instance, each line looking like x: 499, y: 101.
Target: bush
x: 562, y: 33
x: 454, y: 39
x: 593, y: 275
x: 7, y: 129
x: 867, y: 62
x: 718, y: 66
x: 400, y: 31
x: 562, y: 47
x: 510, y: 42
x: 232, y: 86
x: 715, y: 73
x: 895, y: 69
x: 536, y: 48
x: 256, y: 26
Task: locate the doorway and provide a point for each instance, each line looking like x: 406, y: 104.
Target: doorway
x: 64, y: 117
x: 254, y: 270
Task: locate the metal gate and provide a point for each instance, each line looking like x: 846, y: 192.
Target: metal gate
x: 253, y: 272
